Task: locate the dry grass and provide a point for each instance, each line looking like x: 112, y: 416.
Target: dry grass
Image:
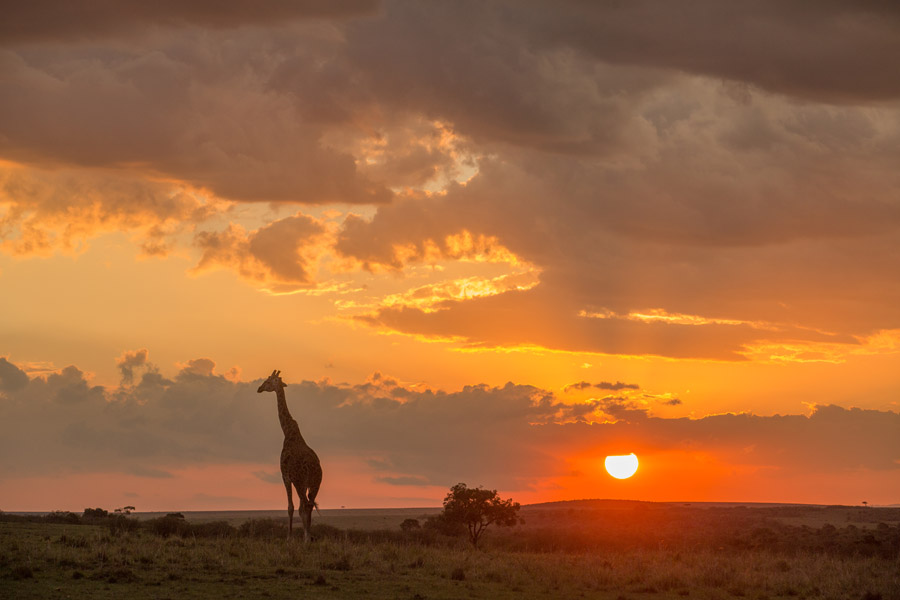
x: 41, y: 560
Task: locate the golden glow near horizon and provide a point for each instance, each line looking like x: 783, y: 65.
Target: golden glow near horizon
x: 585, y: 249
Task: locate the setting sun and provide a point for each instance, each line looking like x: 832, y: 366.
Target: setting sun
x: 622, y: 467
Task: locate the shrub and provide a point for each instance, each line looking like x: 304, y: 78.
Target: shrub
x: 95, y: 513
x: 121, y: 524
x: 64, y: 517
x: 410, y: 525
x: 441, y: 524
x: 168, y: 525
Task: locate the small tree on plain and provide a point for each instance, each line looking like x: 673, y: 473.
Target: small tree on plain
x: 95, y: 513
x: 476, y: 508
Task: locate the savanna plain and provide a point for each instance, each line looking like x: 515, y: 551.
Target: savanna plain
x: 579, y: 549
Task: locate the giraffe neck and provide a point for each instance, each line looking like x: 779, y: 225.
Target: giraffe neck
x: 288, y: 424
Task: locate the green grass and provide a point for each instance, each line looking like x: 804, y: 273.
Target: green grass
x: 46, y: 560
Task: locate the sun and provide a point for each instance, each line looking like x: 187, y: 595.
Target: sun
x: 622, y: 467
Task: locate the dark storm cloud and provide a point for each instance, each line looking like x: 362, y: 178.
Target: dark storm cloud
x: 733, y: 162
x: 508, y: 436
x: 43, y: 20
x: 832, y: 50
x: 477, y: 66
x: 195, y: 109
x: 248, y: 115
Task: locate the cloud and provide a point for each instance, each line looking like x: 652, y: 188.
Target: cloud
x: 414, y: 481
x: 70, y: 387
x: 830, y: 50
x: 44, y: 20
x: 729, y: 197
x: 581, y: 385
x: 48, y: 210
x: 173, y: 110
x: 623, y: 409
x: 131, y: 361
x: 508, y: 320
x: 141, y: 471
x: 11, y: 377
x: 603, y: 385
x: 273, y: 477
x: 610, y: 256
x: 202, y: 367
x: 282, y: 255
x: 513, y: 437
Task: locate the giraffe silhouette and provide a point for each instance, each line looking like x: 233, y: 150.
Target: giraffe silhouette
x: 299, y: 463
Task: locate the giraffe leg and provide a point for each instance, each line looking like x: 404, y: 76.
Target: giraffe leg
x: 290, y: 495
x: 306, y: 514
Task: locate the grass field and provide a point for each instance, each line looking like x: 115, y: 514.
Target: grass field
x: 620, y: 551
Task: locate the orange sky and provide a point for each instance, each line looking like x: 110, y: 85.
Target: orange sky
x: 483, y: 243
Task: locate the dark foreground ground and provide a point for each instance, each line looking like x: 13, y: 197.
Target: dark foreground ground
x: 584, y: 549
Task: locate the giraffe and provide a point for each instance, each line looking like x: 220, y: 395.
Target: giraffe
x: 299, y: 464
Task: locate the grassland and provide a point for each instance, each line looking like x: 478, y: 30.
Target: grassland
x: 608, y: 551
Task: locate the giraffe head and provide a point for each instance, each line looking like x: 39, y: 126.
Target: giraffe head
x: 272, y: 383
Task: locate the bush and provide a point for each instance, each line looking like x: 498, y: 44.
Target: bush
x: 410, y: 525
x: 64, y: 517
x: 168, y: 525
x: 444, y: 526
x: 121, y: 524
x: 95, y: 513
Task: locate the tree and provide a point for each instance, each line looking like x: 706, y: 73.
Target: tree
x: 476, y: 508
x: 95, y: 513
